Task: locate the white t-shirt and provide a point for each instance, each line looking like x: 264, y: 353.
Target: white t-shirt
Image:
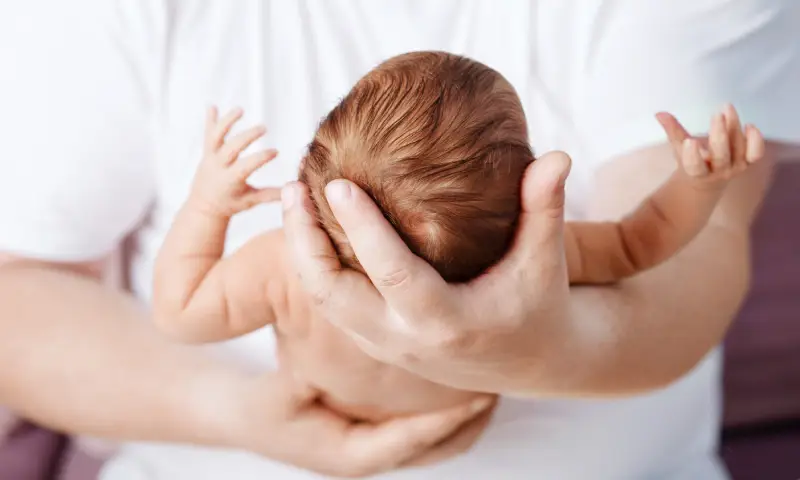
x: 102, y: 109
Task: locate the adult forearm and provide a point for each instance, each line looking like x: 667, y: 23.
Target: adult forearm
x: 79, y: 357
x: 651, y: 329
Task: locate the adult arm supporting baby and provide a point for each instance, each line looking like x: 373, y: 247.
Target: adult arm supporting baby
x: 519, y: 329
x: 87, y: 361
x: 84, y: 358
x: 198, y: 295
x: 651, y: 329
x: 667, y: 220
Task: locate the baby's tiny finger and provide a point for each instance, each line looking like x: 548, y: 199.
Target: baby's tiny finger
x: 231, y: 149
x: 735, y: 135
x: 211, y: 121
x: 249, y: 164
x: 267, y: 194
x: 676, y: 133
x: 693, y: 162
x: 211, y: 117
x: 256, y: 197
x: 755, y: 144
x: 719, y: 144
x: 224, y: 126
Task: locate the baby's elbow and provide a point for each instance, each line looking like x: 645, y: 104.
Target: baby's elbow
x: 167, y: 321
x: 171, y: 320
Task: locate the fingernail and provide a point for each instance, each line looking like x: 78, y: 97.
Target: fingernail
x: 337, y: 191
x: 288, y: 196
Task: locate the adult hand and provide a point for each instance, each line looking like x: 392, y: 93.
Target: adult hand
x: 280, y: 418
x: 475, y: 336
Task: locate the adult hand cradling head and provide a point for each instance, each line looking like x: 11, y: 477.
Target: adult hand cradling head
x: 473, y: 335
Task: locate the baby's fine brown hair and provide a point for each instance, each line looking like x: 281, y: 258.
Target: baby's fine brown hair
x: 440, y: 143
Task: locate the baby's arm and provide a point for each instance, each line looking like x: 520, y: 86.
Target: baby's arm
x: 665, y: 222
x: 199, y: 296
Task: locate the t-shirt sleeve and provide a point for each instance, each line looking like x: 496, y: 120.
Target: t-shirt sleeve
x: 689, y: 58
x: 76, y: 157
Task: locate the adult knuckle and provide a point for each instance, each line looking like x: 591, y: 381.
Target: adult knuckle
x: 452, y: 338
x: 320, y: 298
x: 317, y: 295
x: 394, y: 278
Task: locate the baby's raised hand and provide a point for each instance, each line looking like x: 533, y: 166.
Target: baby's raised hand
x: 220, y: 184
x: 728, y: 151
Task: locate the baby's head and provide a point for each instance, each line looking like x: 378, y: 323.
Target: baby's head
x: 440, y: 143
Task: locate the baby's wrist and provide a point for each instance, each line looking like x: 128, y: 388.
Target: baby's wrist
x: 201, y: 205
x: 204, y: 209
x: 709, y: 186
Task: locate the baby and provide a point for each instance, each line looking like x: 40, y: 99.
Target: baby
x: 440, y: 143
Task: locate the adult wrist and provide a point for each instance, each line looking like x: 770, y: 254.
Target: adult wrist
x: 548, y: 366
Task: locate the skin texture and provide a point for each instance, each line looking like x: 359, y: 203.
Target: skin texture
x: 199, y: 296
x: 519, y: 328
x: 672, y: 216
x: 202, y: 296
x: 135, y: 385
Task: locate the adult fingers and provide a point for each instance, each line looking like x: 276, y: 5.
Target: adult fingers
x: 312, y: 248
x: 335, y: 290
x: 458, y: 443
x: 535, y: 267
x: 409, y: 284
x: 676, y: 133
x: 393, y: 443
x: 719, y: 144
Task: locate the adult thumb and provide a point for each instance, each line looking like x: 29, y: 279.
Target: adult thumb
x: 538, y: 247
x: 543, y: 185
x: 542, y: 216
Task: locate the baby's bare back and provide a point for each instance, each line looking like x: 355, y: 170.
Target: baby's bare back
x: 350, y: 381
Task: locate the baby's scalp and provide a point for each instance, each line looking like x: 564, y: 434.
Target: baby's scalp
x: 439, y: 141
